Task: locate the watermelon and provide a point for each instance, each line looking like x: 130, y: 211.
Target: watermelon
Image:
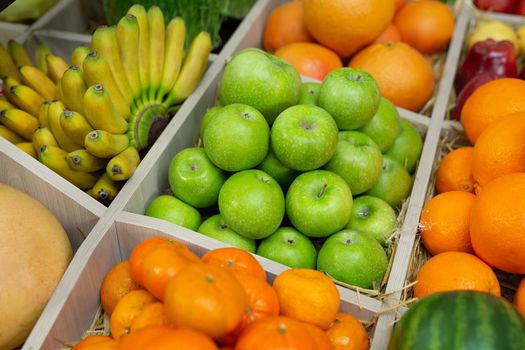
x: 466, y: 320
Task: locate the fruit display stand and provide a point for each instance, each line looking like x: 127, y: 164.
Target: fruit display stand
x: 11, y: 31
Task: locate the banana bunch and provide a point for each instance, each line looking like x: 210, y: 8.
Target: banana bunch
x: 89, y: 121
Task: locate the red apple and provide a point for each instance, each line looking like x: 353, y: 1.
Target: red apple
x: 520, y: 10
x: 505, y: 6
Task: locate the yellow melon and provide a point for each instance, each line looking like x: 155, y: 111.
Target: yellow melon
x: 34, y: 253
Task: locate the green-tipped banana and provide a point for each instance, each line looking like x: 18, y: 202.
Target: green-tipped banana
x: 82, y: 160
x: 20, y: 122
x: 103, y: 144
x: 38, y: 81
x: 19, y: 54
x: 43, y: 137
x: 41, y: 52
x: 26, y: 98
x: 27, y: 147
x: 78, y: 55
x: 104, y: 42
x: 128, y: 40
x: 192, y: 70
x: 157, y: 33
x: 105, y: 190
x: 56, y: 67
x: 75, y: 126
x: 10, y: 135
x: 142, y: 19
x: 123, y: 165
x: 73, y: 88
x: 42, y: 114
x: 146, y: 125
x: 97, y: 71
x: 55, y: 159
x: 7, y: 66
x: 175, y: 36
x: 53, y: 115
x: 100, y: 112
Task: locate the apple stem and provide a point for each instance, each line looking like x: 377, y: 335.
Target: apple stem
x: 322, y: 192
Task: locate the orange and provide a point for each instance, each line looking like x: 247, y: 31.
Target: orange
x: 116, y: 284
x: 519, y: 297
x: 96, y: 342
x: 455, y: 171
x: 140, y: 339
x: 127, y: 309
x: 347, y: 26
x: 320, y: 337
x: 308, y: 296
x: 497, y: 223
x: 500, y: 149
x: 404, y: 76
x: 390, y: 34
x: 426, y: 25
x: 285, y: 25
x: 455, y: 271
x: 312, y: 60
x: 490, y: 102
x: 151, y: 315
x: 347, y: 333
x: 236, y: 260
x: 182, y: 339
x: 399, y: 4
x: 445, y: 221
x: 207, y: 298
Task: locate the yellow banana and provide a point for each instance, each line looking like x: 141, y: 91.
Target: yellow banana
x: 157, y: 33
x: 192, y: 70
x: 128, y: 42
x: 82, y: 160
x: 139, y: 12
x: 41, y: 52
x: 43, y: 137
x: 26, y: 98
x: 55, y: 159
x: 10, y: 135
x: 7, y: 66
x: 103, y: 144
x: 96, y: 71
x: 22, y: 123
x: 53, y: 114
x: 59, y: 90
x: 104, y: 41
x: 18, y: 53
x: 78, y: 55
x: 75, y: 125
x: 105, y: 190
x: 27, y: 147
x: 8, y: 82
x: 123, y: 165
x: 73, y: 88
x: 56, y: 67
x: 175, y: 36
x: 100, y: 112
x: 6, y: 105
x: 38, y: 81
x: 42, y: 114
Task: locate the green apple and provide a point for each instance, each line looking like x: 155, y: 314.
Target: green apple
x: 252, y: 203
x: 194, y: 179
x: 174, y: 210
x: 394, y: 184
x: 351, y: 96
x: 304, y: 137
x: 309, y: 93
x: 319, y: 203
x: 236, y: 138
x: 357, y: 160
x: 216, y: 227
x: 407, y: 147
x: 384, y: 127
x: 353, y: 257
x: 374, y: 216
x: 207, y: 117
x: 289, y: 247
x: 261, y: 80
x: 273, y: 167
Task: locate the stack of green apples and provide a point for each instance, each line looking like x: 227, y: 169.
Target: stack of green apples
x: 287, y: 166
